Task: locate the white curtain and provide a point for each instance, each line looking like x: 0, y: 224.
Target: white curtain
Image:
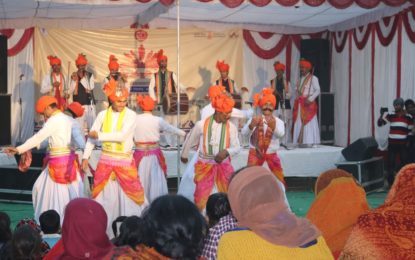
x: 408, y: 67
x: 22, y: 116
x: 340, y: 86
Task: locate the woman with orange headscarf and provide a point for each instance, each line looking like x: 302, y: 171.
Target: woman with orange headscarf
x: 217, y: 139
x: 148, y: 156
x: 387, y: 232
x: 338, y: 204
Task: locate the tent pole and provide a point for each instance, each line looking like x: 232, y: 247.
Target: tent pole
x: 178, y: 90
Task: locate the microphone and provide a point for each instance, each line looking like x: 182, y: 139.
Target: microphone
x: 21, y: 76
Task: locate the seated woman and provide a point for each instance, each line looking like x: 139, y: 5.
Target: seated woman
x: 267, y: 229
x: 387, y: 232
x: 174, y: 229
x: 339, y: 201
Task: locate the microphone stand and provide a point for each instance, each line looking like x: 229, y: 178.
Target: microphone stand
x: 19, y: 138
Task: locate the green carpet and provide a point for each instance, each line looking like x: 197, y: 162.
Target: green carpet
x: 300, y: 202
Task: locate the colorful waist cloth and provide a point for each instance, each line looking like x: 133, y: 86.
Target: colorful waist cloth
x: 207, y: 174
x: 62, y: 168
x: 148, y: 149
x: 308, y: 111
x: 274, y: 163
x: 124, y: 171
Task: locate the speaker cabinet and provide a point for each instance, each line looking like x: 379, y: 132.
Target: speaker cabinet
x: 317, y: 52
x: 361, y: 149
x: 5, y: 119
x: 3, y: 64
x: 326, y: 112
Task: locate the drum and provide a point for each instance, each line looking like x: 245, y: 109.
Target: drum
x: 238, y: 101
x: 170, y: 104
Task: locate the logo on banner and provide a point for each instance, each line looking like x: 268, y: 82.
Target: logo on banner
x: 209, y: 35
x: 140, y: 35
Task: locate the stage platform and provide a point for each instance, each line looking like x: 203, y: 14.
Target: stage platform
x: 298, y: 162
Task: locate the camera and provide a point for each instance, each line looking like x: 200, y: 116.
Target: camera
x: 383, y: 110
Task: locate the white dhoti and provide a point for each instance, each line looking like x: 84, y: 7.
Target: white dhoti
x: 152, y: 177
x: 187, y: 186
x: 48, y: 194
x: 88, y: 118
x: 311, y: 132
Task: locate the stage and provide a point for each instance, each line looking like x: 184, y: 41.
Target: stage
x: 298, y: 162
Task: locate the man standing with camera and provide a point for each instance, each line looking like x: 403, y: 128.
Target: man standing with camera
x: 400, y: 125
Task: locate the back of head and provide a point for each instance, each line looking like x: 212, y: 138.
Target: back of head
x: 131, y: 232
x: 175, y: 227
x: 5, y: 231
x: 50, y: 222
x: 217, y: 207
x: 26, y: 243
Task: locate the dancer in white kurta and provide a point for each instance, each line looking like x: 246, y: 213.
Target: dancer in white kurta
x: 117, y: 186
x: 218, y: 140
x: 306, y: 130
x: 60, y: 181
x: 187, y: 186
x: 148, y: 156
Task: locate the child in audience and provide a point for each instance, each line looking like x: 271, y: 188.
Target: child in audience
x: 50, y: 225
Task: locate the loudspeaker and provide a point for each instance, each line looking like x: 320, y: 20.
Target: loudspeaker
x: 317, y: 52
x: 3, y: 64
x: 360, y: 149
x: 326, y: 108
x: 5, y: 119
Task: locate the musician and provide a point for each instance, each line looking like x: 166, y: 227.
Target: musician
x: 218, y: 141
x: 54, y: 84
x: 115, y: 74
x: 306, y: 130
x: 162, y: 84
x: 224, y: 80
x: 264, y: 132
x: 82, y: 85
x: 282, y: 91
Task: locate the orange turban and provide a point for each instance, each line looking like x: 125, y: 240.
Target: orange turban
x: 260, y: 99
x: 81, y: 60
x: 76, y: 108
x: 113, y: 64
x: 113, y: 92
x: 279, y: 66
x: 161, y: 56
x: 222, y: 66
x: 305, y: 63
x: 223, y: 103
x: 53, y: 60
x: 146, y: 102
x: 43, y: 102
x: 215, y: 91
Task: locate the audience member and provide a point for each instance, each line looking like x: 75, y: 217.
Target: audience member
x: 387, y: 232
x: 83, y: 232
x: 44, y: 246
x: 266, y: 226
x: 116, y: 225
x: 410, y: 109
x: 5, y: 231
x: 338, y: 204
x: 131, y: 232
x: 50, y: 223
x: 221, y: 220
x: 25, y: 244
x: 174, y: 230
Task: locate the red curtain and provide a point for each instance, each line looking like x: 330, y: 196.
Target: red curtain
x: 21, y: 43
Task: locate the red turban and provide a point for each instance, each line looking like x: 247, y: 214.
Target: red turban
x: 223, y: 103
x: 306, y: 64
x: 113, y: 64
x: 279, y: 66
x: 43, y: 102
x: 113, y: 92
x: 76, y: 108
x: 161, y: 56
x: 81, y: 60
x: 260, y: 99
x: 215, y: 91
x: 53, y: 60
x: 146, y: 102
x: 222, y: 66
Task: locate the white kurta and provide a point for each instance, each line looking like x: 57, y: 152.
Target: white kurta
x: 187, y: 185
x: 152, y: 178
x: 277, y: 135
x: 88, y: 118
x: 311, y: 132
x: 47, y: 194
x: 167, y: 138
x: 47, y: 87
x: 113, y: 198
